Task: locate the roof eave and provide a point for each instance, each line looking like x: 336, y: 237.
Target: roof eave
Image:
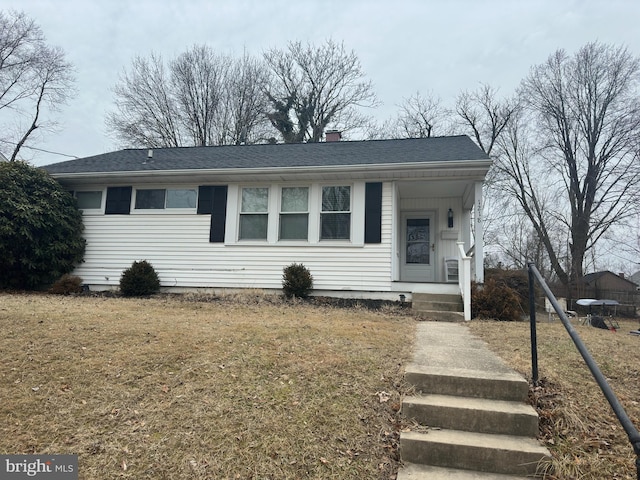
x: 473, y: 167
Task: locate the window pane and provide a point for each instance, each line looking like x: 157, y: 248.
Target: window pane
x: 253, y: 227
x: 89, y: 200
x: 335, y: 226
x: 181, y: 198
x: 150, y: 199
x: 418, y: 238
x: 255, y: 200
x: 295, y: 199
x: 336, y: 199
x: 294, y: 226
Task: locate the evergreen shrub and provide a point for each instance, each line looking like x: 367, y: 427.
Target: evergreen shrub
x: 139, y: 280
x: 40, y: 228
x: 297, y: 281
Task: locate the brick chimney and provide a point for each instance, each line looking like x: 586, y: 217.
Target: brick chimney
x: 333, y: 136
x: 621, y: 274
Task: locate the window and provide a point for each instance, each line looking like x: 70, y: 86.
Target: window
x: 254, y: 216
x: 294, y: 213
x: 89, y: 200
x: 160, y: 198
x: 335, y: 217
x: 118, y: 201
x: 181, y: 198
x: 150, y: 199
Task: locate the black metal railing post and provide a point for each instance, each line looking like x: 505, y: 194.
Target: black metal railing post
x: 532, y: 325
x: 618, y: 410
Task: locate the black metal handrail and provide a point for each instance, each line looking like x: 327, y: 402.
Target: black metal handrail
x: 621, y: 414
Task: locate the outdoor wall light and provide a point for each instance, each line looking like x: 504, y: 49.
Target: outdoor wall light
x: 450, y: 218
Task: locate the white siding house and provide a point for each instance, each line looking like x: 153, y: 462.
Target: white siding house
x: 368, y: 219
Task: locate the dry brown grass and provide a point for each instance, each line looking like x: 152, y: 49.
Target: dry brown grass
x: 178, y: 387
x: 580, y: 429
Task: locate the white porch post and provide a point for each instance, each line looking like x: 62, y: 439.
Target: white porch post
x: 479, y: 234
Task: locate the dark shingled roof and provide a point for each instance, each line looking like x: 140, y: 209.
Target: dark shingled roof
x: 370, y: 152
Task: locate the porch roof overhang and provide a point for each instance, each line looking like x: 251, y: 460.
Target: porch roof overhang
x: 460, y: 172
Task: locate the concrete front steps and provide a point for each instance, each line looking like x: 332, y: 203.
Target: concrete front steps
x: 440, y: 307
x: 472, y: 419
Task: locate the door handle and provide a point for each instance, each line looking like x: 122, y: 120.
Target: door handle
x: 433, y: 247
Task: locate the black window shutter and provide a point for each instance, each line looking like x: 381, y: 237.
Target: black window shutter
x: 218, y: 213
x: 205, y: 199
x: 118, y: 200
x: 373, y: 213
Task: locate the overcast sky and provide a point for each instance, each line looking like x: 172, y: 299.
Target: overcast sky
x: 404, y: 46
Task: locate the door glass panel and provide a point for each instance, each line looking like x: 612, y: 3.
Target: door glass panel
x: 418, y: 241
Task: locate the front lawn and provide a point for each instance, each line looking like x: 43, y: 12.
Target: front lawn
x: 576, y: 421
x: 192, y: 387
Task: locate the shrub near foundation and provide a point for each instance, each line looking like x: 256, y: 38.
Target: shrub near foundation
x: 297, y: 281
x: 67, y: 285
x: 495, y: 300
x: 139, y: 280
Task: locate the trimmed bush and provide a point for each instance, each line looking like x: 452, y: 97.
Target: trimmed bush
x: 139, y: 280
x: 495, y: 300
x: 296, y: 281
x: 67, y: 285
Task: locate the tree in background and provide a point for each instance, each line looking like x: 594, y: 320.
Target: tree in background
x: 40, y: 228
x: 146, y: 112
x: 34, y: 77
x: 422, y: 116
x: 483, y: 116
x: 571, y: 160
x: 312, y: 88
x: 201, y: 98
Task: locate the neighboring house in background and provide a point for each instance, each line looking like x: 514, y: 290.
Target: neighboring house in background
x: 369, y: 219
x: 609, y: 286
x: 635, y: 278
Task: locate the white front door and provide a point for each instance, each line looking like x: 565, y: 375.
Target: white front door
x: 418, y: 247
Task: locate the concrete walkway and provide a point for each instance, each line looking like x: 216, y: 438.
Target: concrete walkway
x: 451, y: 346
x: 474, y: 405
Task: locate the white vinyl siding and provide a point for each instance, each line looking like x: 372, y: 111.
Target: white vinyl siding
x: 178, y: 247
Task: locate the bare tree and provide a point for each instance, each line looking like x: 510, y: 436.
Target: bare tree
x: 484, y: 116
x: 146, y: 112
x: 201, y: 98
x: 315, y: 87
x: 33, y: 76
x: 243, y: 119
x: 576, y: 165
x: 199, y: 77
x: 422, y: 116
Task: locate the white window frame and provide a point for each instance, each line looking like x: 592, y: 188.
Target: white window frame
x: 232, y: 235
x: 270, y: 199
x: 281, y: 213
x: 93, y: 211
x: 350, y: 212
x: 164, y: 210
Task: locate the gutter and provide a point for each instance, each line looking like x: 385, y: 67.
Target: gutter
x: 477, y: 165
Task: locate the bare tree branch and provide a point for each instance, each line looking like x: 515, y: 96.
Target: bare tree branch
x: 32, y: 76
x: 584, y: 115
x: 313, y: 88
